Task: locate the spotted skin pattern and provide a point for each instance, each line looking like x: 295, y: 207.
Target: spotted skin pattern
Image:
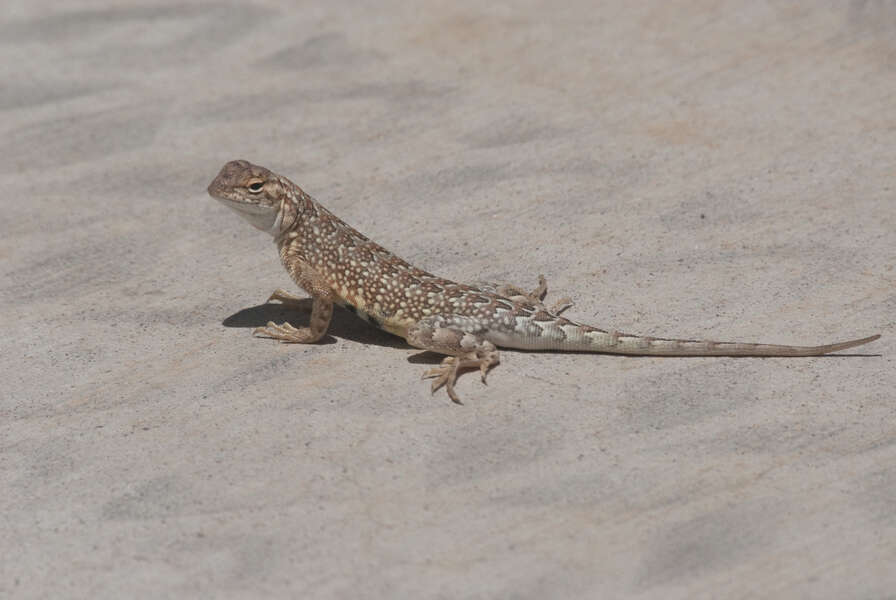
x: 336, y: 264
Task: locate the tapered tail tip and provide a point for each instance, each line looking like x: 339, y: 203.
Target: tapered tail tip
x: 854, y: 343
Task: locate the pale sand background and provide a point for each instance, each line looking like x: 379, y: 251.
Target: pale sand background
x: 717, y: 169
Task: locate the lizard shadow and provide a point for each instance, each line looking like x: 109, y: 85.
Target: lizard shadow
x: 344, y: 324
x: 425, y: 357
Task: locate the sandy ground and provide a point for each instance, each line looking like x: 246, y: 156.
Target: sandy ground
x: 714, y: 169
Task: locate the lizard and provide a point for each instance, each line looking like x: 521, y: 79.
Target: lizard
x: 337, y: 265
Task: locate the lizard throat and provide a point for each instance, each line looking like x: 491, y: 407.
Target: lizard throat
x: 265, y: 219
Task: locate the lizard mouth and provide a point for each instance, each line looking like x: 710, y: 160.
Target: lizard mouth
x: 221, y: 192
x: 252, y: 208
x: 216, y: 190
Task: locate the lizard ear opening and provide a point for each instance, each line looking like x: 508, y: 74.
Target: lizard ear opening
x: 255, y: 186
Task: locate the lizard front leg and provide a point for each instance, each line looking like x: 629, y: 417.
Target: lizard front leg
x: 462, y: 340
x: 321, y: 308
x: 321, y: 313
x: 287, y: 299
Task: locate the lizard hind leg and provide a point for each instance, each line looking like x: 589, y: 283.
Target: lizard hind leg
x: 535, y: 297
x: 465, y: 349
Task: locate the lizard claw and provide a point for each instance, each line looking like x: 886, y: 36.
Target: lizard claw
x: 562, y: 305
x: 285, y: 333
x: 446, y: 373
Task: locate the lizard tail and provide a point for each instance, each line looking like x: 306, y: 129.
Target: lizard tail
x: 561, y: 334
x: 591, y: 340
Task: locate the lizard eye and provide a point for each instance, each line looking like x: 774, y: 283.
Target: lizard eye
x: 256, y: 186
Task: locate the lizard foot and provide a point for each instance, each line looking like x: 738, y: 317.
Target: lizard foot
x: 446, y: 373
x: 285, y: 333
x: 321, y: 313
x: 458, y: 337
x: 517, y: 293
x: 561, y: 305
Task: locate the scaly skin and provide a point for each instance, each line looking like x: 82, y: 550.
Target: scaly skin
x: 338, y: 265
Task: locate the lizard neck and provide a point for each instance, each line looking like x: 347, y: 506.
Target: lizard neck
x: 296, y: 207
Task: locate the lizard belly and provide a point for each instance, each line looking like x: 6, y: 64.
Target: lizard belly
x: 519, y: 342
x: 392, y: 324
x: 395, y: 327
x: 526, y: 335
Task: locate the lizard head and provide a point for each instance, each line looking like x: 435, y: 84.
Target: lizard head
x: 253, y: 192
